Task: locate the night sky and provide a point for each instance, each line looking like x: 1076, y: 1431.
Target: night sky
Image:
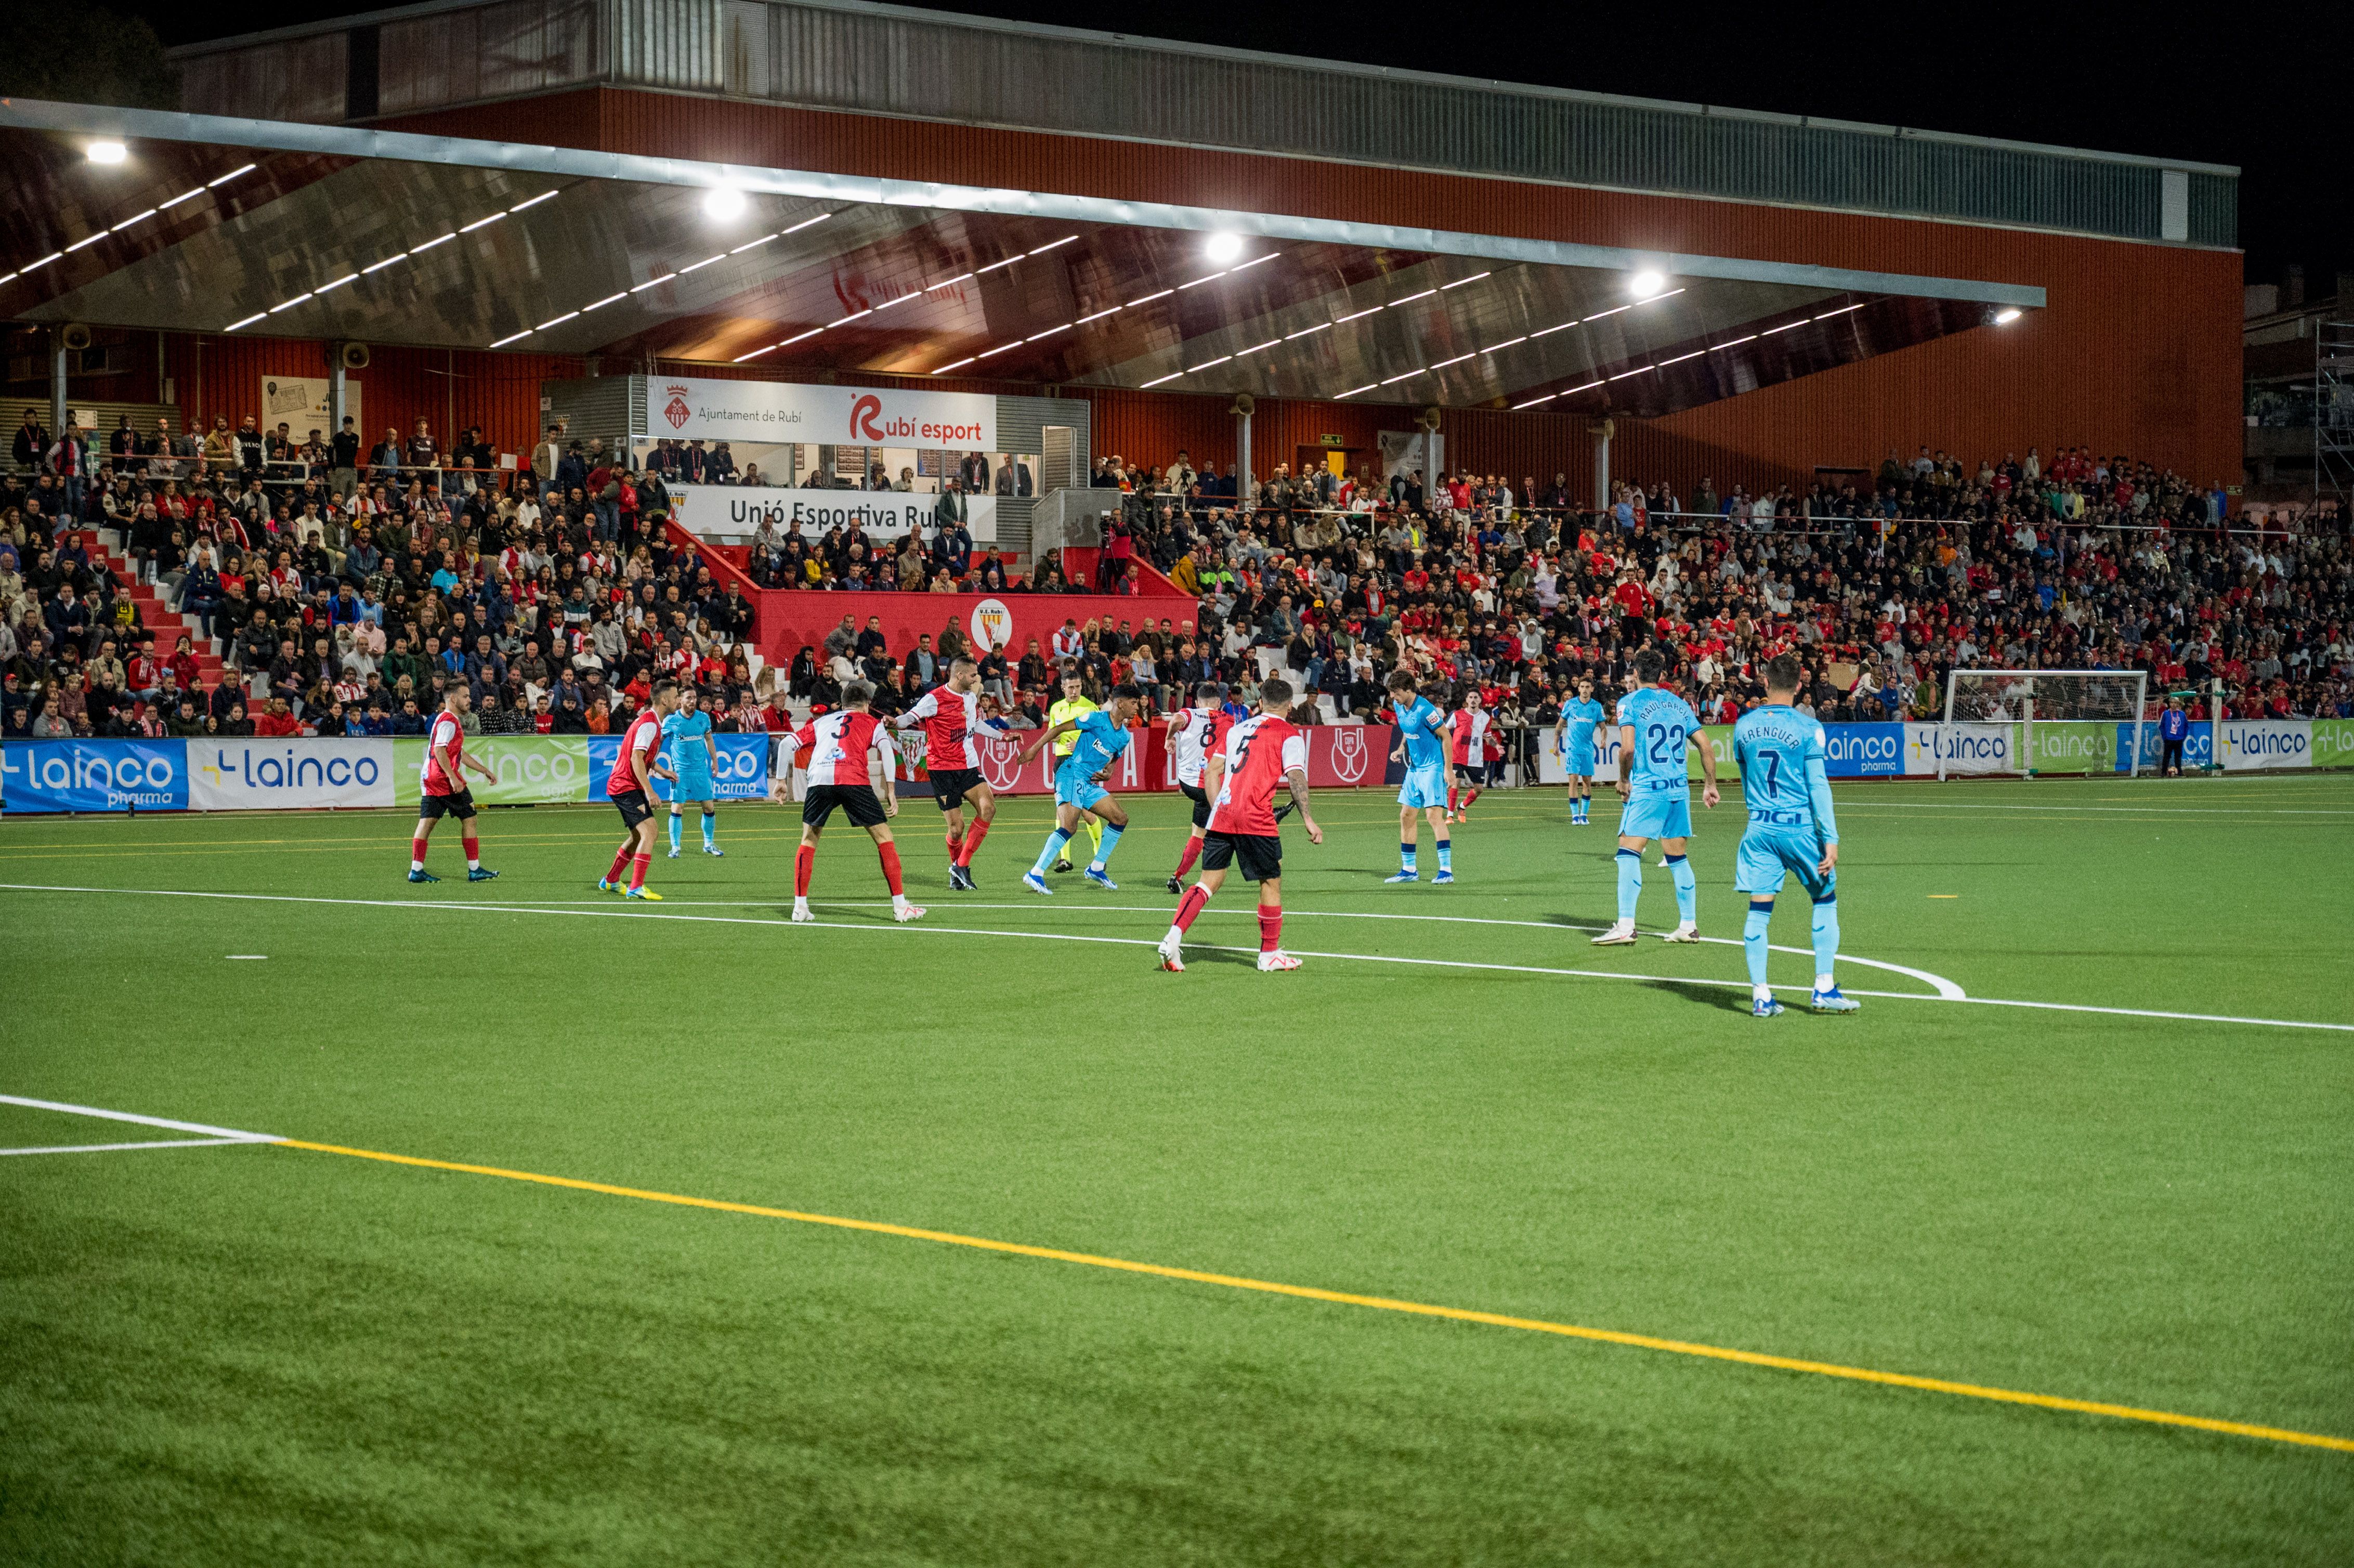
x: 2270, y: 90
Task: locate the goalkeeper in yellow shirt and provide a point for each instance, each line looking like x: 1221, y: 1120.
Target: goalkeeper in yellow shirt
x: 1071, y: 705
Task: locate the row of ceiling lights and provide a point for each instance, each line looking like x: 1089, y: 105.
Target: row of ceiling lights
x: 919, y: 293
x: 1217, y: 252
x: 1648, y: 287
x: 415, y: 250
x: 116, y: 152
x: 1695, y: 354
x: 713, y: 204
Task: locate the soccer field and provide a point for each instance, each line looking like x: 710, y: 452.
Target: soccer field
x: 709, y: 1289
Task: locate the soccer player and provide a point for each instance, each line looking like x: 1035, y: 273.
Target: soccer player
x: 1196, y: 734
x: 1655, y: 726
x: 445, y: 792
x: 1072, y: 705
x: 1420, y: 740
x: 836, y: 750
x: 1467, y: 743
x: 1262, y: 752
x: 694, y: 758
x: 1785, y: 783
x: 1097, y: 736
x: 949, y: 716
x: 1579, y: 738
x: 630, y: 788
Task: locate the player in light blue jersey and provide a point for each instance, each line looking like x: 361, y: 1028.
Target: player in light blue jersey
x: 686, y: 735
x: 1786, y: 784
x: 1578, y: 737
x: 1422, y: 737
x: 1101, y: 736
x: 1655, y: 728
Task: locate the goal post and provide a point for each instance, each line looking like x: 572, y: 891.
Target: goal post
x: 2065, y: 721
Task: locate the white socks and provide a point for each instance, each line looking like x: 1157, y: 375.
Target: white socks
x: 1825, y: 982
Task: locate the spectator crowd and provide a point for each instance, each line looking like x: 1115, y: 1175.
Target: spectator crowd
x: 345, y: 588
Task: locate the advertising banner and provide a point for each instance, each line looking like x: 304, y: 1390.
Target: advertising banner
x: 2333, y: 743
x: 303, y: 404
x: 742, y: 773
x: 533, y: 769
x: 292, y: 774
x: 2074, y: 746
x: 1863, y: 750
x: 732, y: 514
x: 94, y: 776
x: 1931, y: 750
x: 2267, y: 743
x: 2198, y: 745
x: 692, y: 408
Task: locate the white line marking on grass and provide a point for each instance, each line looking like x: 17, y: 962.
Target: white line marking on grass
x: 160, y: 1143
x: 237, y: 956
x: 1868, y: 803
x: 1108, y: 941
x: 217, y: 1134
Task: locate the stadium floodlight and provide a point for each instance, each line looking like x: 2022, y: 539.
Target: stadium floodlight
x: 2007, y: 315
x: 1646, y: 284
x: 1222, y: 249
x: 2048, y: 721
x: 723, y: 203
x: 107, y: 152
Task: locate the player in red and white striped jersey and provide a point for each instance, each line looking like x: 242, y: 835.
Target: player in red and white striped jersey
x: 1262, y: 753
x: 1196, y: 734
x: 1466, y: 750
x: 837, y: 751
x: 630, y: 788
x: 949, y: 716
x: 444, y: 791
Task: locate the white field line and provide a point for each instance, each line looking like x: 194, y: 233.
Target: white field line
x: 212, y: 1134
x: 1939, y: 983
x: 159, y: 1143
x: 1869, y: 803
x: 922, y: 928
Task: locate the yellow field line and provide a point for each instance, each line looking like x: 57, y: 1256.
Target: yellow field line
x: 1380, y: 1303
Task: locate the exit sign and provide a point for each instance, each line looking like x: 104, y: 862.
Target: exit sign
x: 1333, y: 440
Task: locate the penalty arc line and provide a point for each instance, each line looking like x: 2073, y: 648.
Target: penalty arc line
x: 923, y: 929
x: 1379, y: 1303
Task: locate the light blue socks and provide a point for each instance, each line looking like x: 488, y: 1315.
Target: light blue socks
x: 1054, y: 843
x: 1110, y: 843
x: 1630, y: 882
x: 1826, y: 937
x: 1687, y: 887
x: 1753, y: 940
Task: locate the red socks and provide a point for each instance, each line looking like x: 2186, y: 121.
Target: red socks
x: 1471, y: 799
x: 620, y: 862
x: 473, y: 849
x: 638, y: 863
x: 955, y: 848
x: 1191, y: 905
x: 1271, y: 928
x: 416, y: 850
x: 1193, y: 852
x: 1451, y: 793
x: 891, y: 867
x: 972, y: 837
x: 803, y: 863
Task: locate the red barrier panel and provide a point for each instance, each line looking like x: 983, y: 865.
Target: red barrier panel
x: 791, y: 619
x: 1339, y: 757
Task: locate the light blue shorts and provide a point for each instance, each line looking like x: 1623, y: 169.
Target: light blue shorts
x: 692, y: 787
x: 1661, y: 814
x: 1578, y: 761
x: 1425, y: 788
x: 1075, y: 789
x: 1769, y: 854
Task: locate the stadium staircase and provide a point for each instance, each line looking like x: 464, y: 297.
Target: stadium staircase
x: 168, y: 625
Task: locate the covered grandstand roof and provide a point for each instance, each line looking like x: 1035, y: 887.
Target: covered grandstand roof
x: 222, y: 225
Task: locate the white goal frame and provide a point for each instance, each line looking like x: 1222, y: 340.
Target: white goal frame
x: 2025, y: 684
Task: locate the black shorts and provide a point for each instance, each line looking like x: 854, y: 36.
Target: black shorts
x: 458, y: 803
x: 1201, y: 805
x: 950, y: 785
x: 634, y: 807
x: 863, y: 806
x: 1261, y: 855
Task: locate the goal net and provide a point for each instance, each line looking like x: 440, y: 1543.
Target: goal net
x: 2043, y: 721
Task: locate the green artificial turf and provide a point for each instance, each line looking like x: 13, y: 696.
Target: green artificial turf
x: 231, y: 1355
